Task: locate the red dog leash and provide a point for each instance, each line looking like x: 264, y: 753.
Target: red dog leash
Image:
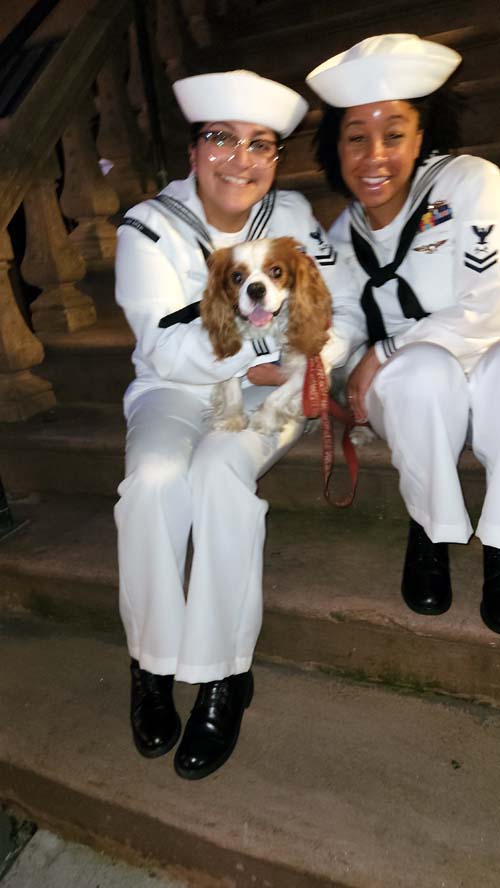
x: 316, y: 402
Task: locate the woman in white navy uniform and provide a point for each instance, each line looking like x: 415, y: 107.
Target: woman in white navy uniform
x: 179, y: 475
x: 418, y: 290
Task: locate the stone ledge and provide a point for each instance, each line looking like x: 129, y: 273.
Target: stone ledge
x: 331, y: 593
x: 331, y: 784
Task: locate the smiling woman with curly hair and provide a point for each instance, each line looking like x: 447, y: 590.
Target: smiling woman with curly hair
x: 417, y: 293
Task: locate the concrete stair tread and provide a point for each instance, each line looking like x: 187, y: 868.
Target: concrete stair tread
x: 103, y: 427
x: 109, y: 334
x: 365, y: 789
x: 335, y: 20
x: 337, y: 29
x: 331, y: 592
x: 72, y: 427
x: 270, y: 17
x: 79, y: 449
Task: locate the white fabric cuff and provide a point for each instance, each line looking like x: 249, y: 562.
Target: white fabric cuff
x: 385, y: 349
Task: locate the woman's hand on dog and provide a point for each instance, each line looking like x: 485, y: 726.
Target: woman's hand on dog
x: 359, y: 382
x: 266, y: 374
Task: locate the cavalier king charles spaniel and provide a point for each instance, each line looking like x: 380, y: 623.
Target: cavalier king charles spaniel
x: 260, y: 287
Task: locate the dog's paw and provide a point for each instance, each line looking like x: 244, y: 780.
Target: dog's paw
x: 361, y: 435
x: 235, y: 423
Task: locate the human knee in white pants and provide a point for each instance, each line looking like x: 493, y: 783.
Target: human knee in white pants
x: 153, y: 518
x: 178, y: 476
x: 484, y: 386
x: 419, y: 402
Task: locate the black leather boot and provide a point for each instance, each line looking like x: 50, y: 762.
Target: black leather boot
x: 213, y: 726
x: 156, y: 726
x: 490, y: 605
x: 426, y: 586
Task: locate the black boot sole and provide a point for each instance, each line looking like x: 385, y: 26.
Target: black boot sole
x: 200, y: 773
x: 160, y: 750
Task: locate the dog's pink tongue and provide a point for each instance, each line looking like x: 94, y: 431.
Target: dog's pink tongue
x: 260, y: 317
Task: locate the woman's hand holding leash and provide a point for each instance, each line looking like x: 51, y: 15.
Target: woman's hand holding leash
x: 359, y: 382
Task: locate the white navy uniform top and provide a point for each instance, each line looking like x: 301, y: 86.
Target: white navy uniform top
x: 452, y: 265
x: 161, y: 268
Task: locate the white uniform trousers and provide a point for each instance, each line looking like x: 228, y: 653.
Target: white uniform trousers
x: 422, y: 403
x: 178, y: 477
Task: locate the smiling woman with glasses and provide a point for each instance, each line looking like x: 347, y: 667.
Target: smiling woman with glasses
x: 180, y: 476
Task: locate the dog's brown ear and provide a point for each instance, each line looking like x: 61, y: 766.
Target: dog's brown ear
x: 218, y: 304
x: 310, y: 307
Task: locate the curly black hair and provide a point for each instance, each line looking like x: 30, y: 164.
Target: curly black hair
x: 439, y: 118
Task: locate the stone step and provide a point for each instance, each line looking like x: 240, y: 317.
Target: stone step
x: 91, y: 365
x: 78, y: 449
x: 291, y: 51
x: 271, y: 16
x: 332, y: 785
x: 331, y: 593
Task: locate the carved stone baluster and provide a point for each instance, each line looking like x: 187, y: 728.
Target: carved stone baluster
x: 88, y: 197
x: 196, y: 15
x: 21, y: 393
x: 52, y: 262
x: 120, y: 139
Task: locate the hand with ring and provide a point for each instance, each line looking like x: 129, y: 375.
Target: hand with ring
x: 359, y: 382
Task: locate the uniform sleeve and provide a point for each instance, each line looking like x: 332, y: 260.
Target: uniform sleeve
x: 472, y: 324
x: 148, y: 288
x: 349, y: 323
x: 349, y: 329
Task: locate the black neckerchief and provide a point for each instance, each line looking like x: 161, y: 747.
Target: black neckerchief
x: 377, y: 275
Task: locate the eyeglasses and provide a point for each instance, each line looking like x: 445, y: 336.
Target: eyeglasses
x: 224, y: 145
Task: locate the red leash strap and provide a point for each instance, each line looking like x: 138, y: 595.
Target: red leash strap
x: 317, y: 402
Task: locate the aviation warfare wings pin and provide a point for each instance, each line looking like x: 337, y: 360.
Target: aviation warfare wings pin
x: 430, y: 248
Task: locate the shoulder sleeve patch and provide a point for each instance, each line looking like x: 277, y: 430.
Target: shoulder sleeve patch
x: 480, y: 255
x: 324, y: 252
x: 139, y: 226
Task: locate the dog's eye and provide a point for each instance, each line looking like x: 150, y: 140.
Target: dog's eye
x: 275, y: 271
x: 236, y: 277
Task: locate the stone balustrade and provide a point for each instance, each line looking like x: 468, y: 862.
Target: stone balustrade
x: 87, y: 155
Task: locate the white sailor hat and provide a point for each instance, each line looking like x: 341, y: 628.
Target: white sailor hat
x: 391, y: 66
x: 240, y: 95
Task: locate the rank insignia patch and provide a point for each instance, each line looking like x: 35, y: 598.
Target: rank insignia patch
x: 437, y: 212
x: 482, y: 256
x: 325, y: 255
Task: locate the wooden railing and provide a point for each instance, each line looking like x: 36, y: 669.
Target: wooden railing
x: 90, y: 102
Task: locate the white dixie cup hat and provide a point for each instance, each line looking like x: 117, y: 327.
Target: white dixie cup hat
x: 240, y: 95
x: 387, y: 67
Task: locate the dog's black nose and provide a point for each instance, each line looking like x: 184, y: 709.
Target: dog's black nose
x: 256, y: 291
